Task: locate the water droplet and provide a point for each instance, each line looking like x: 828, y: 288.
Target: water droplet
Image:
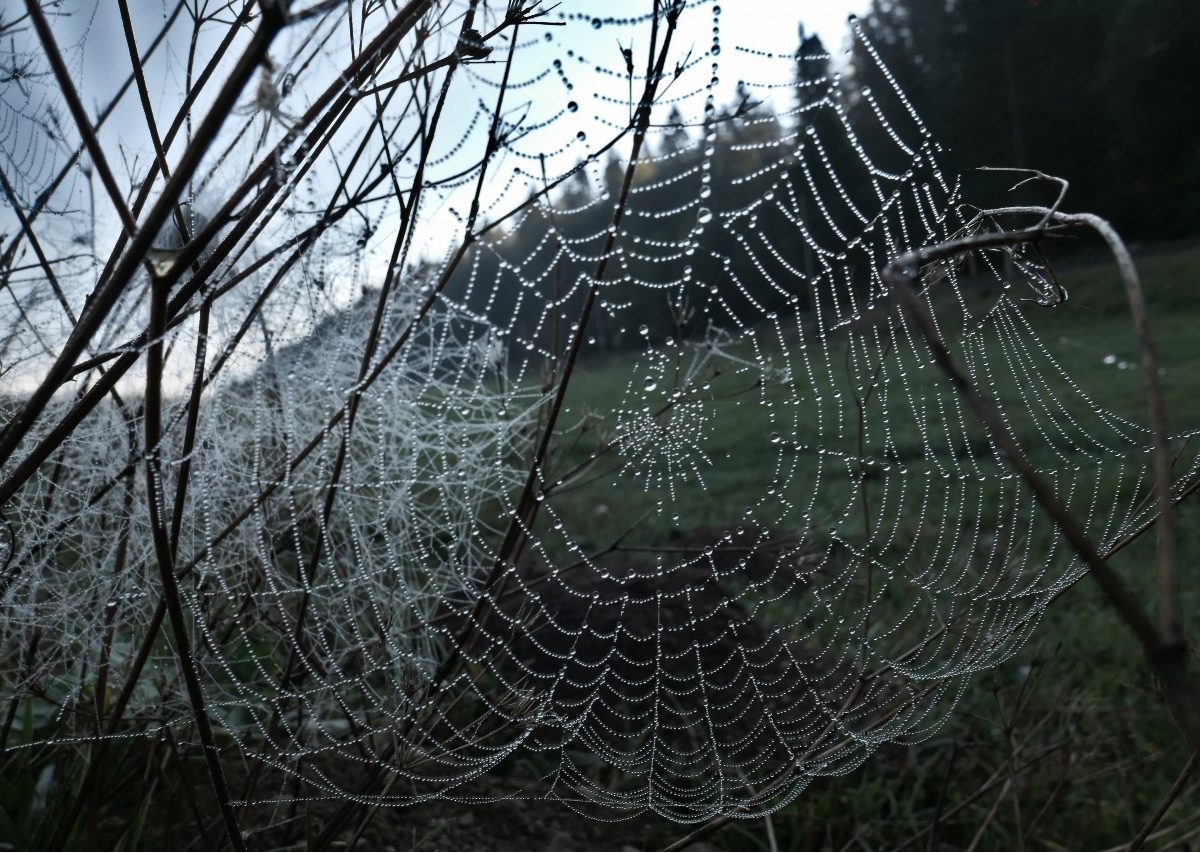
x: 776, y: 438
x: 596, y: 23
x: 162, y: 261
x: 650, y: 384
x: 704, y: 215
x: 572, y: 106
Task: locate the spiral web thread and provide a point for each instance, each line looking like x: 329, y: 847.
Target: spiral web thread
x: 887, y: 552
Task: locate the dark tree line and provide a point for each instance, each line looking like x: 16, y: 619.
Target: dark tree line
x: 1105, y: 93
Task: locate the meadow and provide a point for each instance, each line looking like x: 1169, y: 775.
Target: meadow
x: 1063, y: 746
x: 421, y: 436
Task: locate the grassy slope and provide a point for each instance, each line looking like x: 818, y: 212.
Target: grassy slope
x: 1078, y: 705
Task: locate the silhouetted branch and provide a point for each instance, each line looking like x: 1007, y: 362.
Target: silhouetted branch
x: 1164, y: 647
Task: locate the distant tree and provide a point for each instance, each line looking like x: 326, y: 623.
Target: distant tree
x: 1149, y: 80
x: 1091, y: 90
x: 675, y: 138
x: 812, y: 70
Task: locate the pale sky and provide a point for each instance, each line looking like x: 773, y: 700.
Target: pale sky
x: 573, y: 111
x: 92, y: 41
x: 826, y: 17
x: 757, y: 41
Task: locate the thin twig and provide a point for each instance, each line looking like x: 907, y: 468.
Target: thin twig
x: 1165, y: 652
x: 84, y: 124
x: 526, y: 504
x: 166, y: 564
x: 105, y: 296
x: 1169, y: 800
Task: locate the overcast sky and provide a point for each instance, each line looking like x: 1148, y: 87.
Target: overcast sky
x: 91, y: 36
x: 573, y: 112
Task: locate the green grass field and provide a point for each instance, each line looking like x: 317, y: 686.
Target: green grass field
x: 1090, y: 336
x: 1064, y: 745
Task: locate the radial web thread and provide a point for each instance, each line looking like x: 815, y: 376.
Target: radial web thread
x: 650, y: 642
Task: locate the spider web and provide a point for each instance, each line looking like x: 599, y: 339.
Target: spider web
x: 406, y: 608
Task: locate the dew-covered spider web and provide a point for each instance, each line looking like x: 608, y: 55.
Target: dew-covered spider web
x: 516, y: 470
